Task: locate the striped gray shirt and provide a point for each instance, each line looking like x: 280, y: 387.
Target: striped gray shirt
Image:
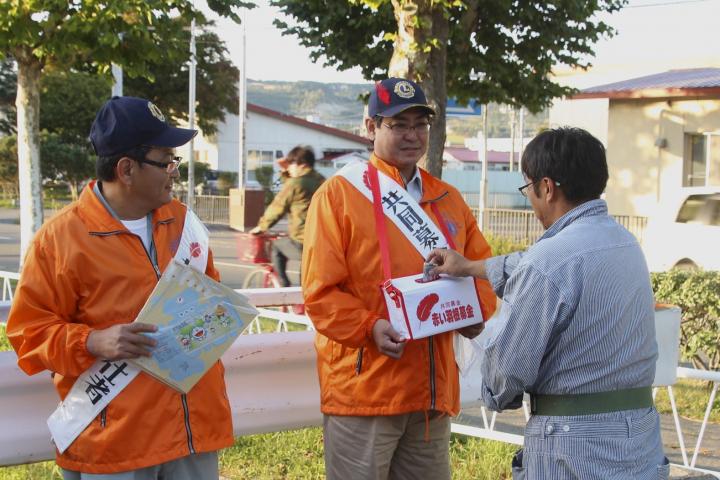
x: 577, y: 313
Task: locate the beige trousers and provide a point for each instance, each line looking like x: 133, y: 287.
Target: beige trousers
x: 396, y: 447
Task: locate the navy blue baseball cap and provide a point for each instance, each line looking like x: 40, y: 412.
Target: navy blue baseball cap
x: 394, y: 95
x: 124, y: 123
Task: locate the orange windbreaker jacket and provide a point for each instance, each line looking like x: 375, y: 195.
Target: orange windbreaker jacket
x: 86, y: 271
x: 342, y: 274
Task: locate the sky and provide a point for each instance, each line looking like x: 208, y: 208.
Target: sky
x: 653, y: 36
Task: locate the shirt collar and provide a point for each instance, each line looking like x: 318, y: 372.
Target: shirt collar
x: 103, y: 200
x: 432, y: 189
x: 416, y: 177
x: 586, y: 209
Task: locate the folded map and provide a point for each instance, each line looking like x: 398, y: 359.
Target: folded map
x: 197, y: 319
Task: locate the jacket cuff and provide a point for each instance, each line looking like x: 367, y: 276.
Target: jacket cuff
x: 369, y: 326
x: 85, y: 359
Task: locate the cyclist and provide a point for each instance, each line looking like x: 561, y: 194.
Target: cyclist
x: 300, y: 181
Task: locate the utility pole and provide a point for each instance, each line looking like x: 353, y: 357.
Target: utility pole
x: 242, y: 154
x: 483, y: 179
x: 117, y: 73
x: 191, y: 118
x: 522, y: 134
x: 512, y: 137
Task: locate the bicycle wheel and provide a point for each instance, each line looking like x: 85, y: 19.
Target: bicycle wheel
x: 256, y: 278
x: 271, y: 280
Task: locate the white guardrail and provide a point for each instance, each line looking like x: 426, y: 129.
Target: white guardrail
x: 285, y: 393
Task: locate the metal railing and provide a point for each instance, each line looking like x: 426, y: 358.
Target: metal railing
x: 210, y: 208
x: 514, y: 200
x: 9, y: 280
x: 522, y: 226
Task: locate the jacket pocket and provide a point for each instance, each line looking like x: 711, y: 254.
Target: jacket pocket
x: 103, y: 417
x: 359, y: 361
x: 518, y: 471
x: 664, y: 470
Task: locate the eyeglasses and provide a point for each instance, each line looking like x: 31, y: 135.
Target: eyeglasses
x: 403, y: 128
x: 523, y: 189
x: 169, y: 167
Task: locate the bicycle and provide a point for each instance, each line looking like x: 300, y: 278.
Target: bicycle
x: 256, y: 249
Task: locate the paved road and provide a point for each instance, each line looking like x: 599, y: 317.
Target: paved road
x: 223, y: 241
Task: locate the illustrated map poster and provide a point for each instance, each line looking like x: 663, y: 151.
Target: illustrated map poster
x: 197, y: 318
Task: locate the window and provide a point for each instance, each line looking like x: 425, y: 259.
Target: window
x: 700, y: 210
x: 702, y: 160
x: 257, y: 159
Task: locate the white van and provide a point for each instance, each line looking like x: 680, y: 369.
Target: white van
x: 686, y: 232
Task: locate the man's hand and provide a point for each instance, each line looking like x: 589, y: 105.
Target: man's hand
x: 472, y: 331
x: 452, y: 263
x: 121, y: 341
x: 388, y: 340
x: 257, y: 231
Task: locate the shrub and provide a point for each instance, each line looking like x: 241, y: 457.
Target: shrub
x: 697, y: 293
x: 264, y: 176
x: 504, y: 245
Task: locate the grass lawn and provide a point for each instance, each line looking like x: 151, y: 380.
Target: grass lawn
x: 691, y: 398
x: 298, y: 454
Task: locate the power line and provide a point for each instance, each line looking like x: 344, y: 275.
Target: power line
x: 665, y: 4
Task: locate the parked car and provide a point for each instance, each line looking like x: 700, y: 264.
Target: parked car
x: 686, y: 232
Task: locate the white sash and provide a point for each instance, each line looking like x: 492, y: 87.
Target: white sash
x: 400, y: 207
x: 104, y: 380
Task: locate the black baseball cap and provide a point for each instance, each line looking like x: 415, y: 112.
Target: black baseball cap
x: 124, y: 123
x: 394, y: 95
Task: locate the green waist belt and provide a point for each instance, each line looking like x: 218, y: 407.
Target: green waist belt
x: 591, y: 403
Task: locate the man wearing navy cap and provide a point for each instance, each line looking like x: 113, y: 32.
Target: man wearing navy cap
x: 386, y: 400
x: 87, y: 275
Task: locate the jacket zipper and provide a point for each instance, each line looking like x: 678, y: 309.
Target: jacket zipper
x: 432, y: 373
x: 358, y: 363
x: 183, y: 397
x: 103, y: 417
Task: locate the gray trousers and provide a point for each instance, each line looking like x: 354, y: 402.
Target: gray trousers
x: 284, y: 249
x: 618, y: 445
x: 193, y: 467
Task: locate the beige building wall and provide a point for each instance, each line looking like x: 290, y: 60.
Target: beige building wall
x: 641, y: 172
x: 589, y: 114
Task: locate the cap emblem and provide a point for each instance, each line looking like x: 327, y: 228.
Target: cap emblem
x: 403, y: 89
x: 157, y: 113
x: 382, y: 93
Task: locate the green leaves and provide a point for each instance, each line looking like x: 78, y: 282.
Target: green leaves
x: 698, y: 296
x: 217, y: 78
x: 514, y: 44
x: 100, y: 32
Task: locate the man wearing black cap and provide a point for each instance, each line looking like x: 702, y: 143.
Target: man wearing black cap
x: 88, y: 273
x: 386, y: 400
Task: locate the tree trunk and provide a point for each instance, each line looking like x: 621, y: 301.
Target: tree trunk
x: 73, y: 190
x: 436, y: 90
x: 27, y: 103
x: 419, y: 24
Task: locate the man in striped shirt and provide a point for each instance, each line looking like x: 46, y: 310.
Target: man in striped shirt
x: 576, y: 326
